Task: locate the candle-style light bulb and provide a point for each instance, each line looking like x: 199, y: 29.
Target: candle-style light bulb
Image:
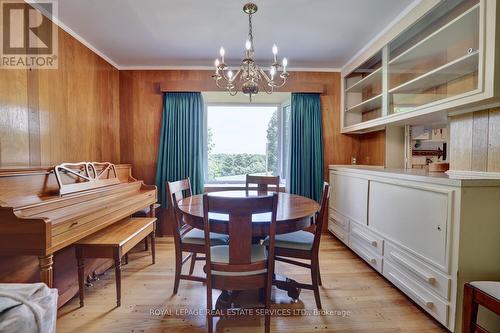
x: 217, y: 63
x: 285, y: 63
x: 275, y: 49
x: 230, y: 74
x: 248, y: 45
x: 272, y: 71
x: 222, y: 52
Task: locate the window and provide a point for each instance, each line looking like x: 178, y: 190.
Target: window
x: 245, y: 139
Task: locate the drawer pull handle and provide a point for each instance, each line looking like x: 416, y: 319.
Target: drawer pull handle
x: 366, y: 238
x: 410, y: 290
x: 403, y: 262
x: 73, y: 224
x: 366, y: 257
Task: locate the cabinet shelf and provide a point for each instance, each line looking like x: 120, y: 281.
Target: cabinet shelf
x: 366, y: 81
x: 446, y: 73
x: 367, y: 105
x: 464, y: 27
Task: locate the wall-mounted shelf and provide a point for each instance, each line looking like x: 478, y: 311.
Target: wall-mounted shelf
x: 446, y: 73
x: 464, y: 27
x: 366, y: 82
x: 369, y: 104
x: 440, y: 61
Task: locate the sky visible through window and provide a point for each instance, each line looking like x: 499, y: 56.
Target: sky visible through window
x: 239, y: 129
x: 241, y: 140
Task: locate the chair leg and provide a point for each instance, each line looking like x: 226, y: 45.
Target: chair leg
x: 193, y: 262
x: 210, y: 319
x: 81, y: 279
x: 178, y: 269
x: 267, y: 316
x: 319, y: 277
x: 153, y: 247
x: 315, y: 281
x: 118, y: 276
x: 469, y: 310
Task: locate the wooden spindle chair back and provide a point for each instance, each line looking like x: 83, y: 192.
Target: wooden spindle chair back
x: 240, y: 211
x: 177, y: 191
x: 263, y: 182
x: 320, y: 216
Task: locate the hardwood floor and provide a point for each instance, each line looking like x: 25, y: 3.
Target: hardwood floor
x: 369, y: 303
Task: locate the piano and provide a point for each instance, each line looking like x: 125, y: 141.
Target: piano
x: 43, y: 210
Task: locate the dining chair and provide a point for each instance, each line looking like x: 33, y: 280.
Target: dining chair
x: 304, y: 244
x: 484, y: 293
x: 262, y: 182
x: 187, y: 238
x: 240, y: 265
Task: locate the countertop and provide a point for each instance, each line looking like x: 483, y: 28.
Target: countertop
x: 421, y: 175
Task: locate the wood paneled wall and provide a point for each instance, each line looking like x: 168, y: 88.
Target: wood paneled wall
x: 141, y: 111
x: 475, y: 141
x: 371, y: 148
x: 69, y: 114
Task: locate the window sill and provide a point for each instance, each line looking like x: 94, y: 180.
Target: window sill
x: 235, y: 187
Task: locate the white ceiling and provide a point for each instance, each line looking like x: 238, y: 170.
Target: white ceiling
x: 188, y: 33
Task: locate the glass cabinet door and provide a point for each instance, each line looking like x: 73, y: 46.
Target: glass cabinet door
x: 363, y: 92
x: 437, y: 58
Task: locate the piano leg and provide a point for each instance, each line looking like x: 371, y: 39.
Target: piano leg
x: 46, y: 275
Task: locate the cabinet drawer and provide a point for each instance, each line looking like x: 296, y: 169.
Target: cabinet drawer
x: 367, y: 255
x: 367, y: 238
x: 339, y: 220
x: 338, y: 232
x: 431, y: 303
x: 428, y: 277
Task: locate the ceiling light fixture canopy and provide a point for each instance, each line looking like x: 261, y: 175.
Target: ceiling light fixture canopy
x: 248, y: 77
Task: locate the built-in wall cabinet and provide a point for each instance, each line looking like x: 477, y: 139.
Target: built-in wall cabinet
x: 427, y: 234
x: 442, y: 61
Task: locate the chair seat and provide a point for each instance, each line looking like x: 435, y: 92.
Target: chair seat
x: 491, y: 288
x: 197, y: 236
x: 298, y: 240
x: 220, y: 254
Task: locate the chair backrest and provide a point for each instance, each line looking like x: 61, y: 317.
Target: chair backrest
x: 263, y: 182
x: 176, y: 192
x: 240, y: 212
x: 320, y: 216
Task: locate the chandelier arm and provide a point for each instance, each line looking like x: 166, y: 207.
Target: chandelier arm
x: 218, y: 84
x: 282, y: 83
x: 269, y: 92
x: 264, y: 75
x: 249, y: 75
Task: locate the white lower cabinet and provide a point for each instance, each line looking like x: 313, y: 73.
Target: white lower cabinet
x: 430, y: 302
x: 339, y: 226
x: 427, y: 234
x: 367, y: 254
x: 426, y: 276
x: 369, y: 239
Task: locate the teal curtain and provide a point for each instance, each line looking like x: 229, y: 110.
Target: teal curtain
x: 306, y: 146
x: 180, y: 152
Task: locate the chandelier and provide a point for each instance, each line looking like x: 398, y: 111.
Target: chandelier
x: 249, y: 76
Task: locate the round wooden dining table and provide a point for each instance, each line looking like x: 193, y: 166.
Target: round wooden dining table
x: 294, y: 213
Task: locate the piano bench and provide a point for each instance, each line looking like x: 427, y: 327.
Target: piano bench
x: 114, y: 242
x: 146, y: 212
